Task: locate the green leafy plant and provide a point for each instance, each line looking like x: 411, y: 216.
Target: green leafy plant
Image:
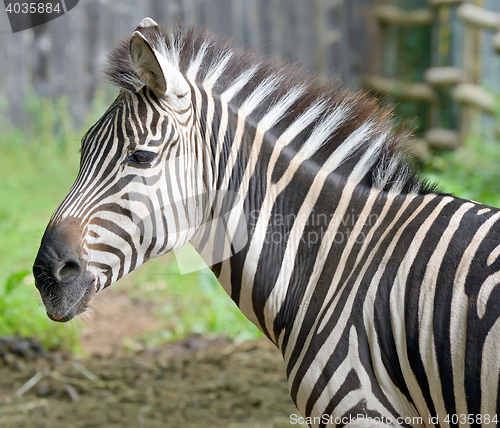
x: 471, y: 172
x: 21, y: 314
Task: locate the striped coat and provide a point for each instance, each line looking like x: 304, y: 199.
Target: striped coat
x: 379, y: 291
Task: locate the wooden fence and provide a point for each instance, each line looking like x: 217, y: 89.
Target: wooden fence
x: 66, y: 56
x: 456, y: 80
x: 434, y: 59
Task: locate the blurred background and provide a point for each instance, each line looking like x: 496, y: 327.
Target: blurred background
x: 436, y: 62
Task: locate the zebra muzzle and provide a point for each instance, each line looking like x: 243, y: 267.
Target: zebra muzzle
x: 60, y: 271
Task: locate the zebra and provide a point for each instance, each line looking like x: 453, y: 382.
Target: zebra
x: 379, y: 290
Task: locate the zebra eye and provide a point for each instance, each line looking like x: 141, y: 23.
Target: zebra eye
x: 142, y: 157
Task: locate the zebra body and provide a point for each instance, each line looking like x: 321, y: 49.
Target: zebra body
x: 379, y: 292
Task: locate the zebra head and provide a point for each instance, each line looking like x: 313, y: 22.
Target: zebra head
x: 140, y: 189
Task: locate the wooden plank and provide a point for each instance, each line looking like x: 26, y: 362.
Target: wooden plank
x: 159, y: 10
x: 16, y: 81
x: 490, y: 72
x: 277, y: 29
x: 237, y: 29
x: 479, y: 17
x: 60, y: 77
x: 76, y: 90
x: 218, y: 16
x: 304, y: 35
x: 252, y: 24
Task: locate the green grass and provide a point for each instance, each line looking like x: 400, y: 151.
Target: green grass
x: 38, y: 167
x: 471, y: 172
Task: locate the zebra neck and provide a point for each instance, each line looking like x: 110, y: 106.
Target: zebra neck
x: 269, y: 215
x: 278, y: 209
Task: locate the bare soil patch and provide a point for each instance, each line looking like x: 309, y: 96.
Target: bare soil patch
x: 197, y: 382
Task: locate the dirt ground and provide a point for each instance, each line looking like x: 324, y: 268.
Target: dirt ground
x: 197, y: 382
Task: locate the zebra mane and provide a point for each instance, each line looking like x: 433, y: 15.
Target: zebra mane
x: 341, y: 131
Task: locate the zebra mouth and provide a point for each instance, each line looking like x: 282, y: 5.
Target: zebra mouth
x: 78, y: 307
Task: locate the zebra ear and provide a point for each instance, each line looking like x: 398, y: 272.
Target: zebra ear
x: 157, y: 73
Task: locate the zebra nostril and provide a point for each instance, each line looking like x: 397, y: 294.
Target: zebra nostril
x: 67, y: 270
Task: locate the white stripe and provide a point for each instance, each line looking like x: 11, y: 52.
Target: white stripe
x: 369, y: 158
x: 334, y: 335
x: 280, y: 108
x: 306, y: 118
x: 490, y: 368
x: 485, y: 292
x: 238, y: 84
x: 363, y: 394
x: 216, y: 72
x: 426, y: 301
x: 324, y: 130
x: 292, y: 131
x: 383, y: 175
x: 349, y: 146
x: 483, y: 211
x: 459, y: 315
x: 493, y: 256
x: 195, y: 64
x: 259, y: 94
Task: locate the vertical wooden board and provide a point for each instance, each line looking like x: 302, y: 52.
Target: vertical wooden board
x: 104, y: 45
x: 278, y: 29
x: 216, y: 15
x: 200, y: 18
x: 189, y: 11
x: 288, y: 26
x: 17, y: 80
x: 252, y: 22
x: 457, y: 39
x: 304, y: 33
x: 461, y: 57
x: 174, y: 13
x: 77, y: 74
x: 490, y: 73
x: 321, y: 54
x: 266, y: 22
x: 290, y: 36
x: 5, y: 40
x: 37, y: 58
x: 16, y: 70
x: 92, y: 27
x: 107, y: 23
x: 237, y: 29
x: 159, y: 10
x: 135, y: 13
x: 122, y: 18
x: 358, y: 34
x: 490, y: 76
x: 60, y: 57
x: 343, y: 45
x: 139, y: 10
x: 333, y: 16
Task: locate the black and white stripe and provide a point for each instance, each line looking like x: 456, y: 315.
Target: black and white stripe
x: 380, y: 292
